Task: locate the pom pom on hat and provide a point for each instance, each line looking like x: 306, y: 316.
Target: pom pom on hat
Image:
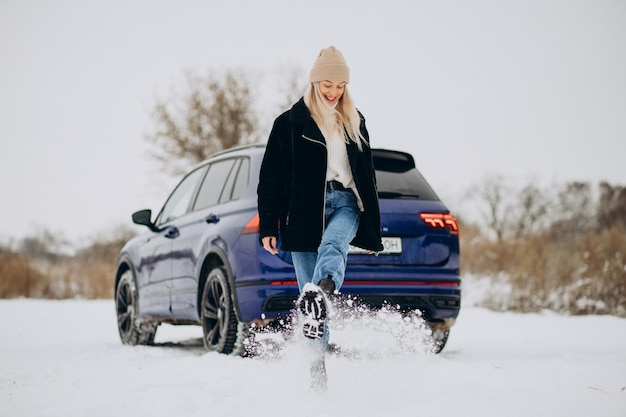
x: 330, y: 65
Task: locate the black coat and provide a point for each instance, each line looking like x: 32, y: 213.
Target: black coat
x: 292, y: 184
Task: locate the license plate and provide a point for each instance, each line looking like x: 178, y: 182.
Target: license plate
x: 391, y: 245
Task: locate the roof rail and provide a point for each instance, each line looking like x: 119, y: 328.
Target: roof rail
x: 237, y: 148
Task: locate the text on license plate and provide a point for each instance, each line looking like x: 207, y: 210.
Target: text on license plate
x: 391, y: 245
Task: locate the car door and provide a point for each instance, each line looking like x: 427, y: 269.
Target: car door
x: 157, y: 253
x: 198, y: 229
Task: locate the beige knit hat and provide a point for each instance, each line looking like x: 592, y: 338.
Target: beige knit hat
x: 330, y: 65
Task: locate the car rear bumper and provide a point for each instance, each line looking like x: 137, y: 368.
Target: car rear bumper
x: 438, y: 298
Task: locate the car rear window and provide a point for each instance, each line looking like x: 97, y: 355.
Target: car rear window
x: 397, y: 176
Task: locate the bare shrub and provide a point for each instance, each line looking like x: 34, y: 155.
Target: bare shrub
x: 574, y: 263
x: 38, y: 272
x: 18, y: 278
x: 92, y: 269
x: 601, y: 278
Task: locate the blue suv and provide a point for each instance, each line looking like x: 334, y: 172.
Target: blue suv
x: 201, y: 263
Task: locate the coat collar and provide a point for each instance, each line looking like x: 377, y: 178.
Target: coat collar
x: 300, y: 115
x: 299, y: 112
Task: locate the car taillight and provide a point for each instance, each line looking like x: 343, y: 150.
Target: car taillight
x: 252, y: 226
x: 441, y: 221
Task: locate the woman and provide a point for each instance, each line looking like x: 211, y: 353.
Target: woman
x: 317, y: 183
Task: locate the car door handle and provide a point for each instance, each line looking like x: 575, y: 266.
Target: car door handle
x: 172, y: 233
x: 212, y: 218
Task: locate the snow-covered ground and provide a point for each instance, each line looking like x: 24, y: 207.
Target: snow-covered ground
x: 64, y: 358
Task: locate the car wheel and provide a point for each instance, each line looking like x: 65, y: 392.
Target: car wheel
x: 219, y: 323
x: 440, y: 337
x: 131, y: 331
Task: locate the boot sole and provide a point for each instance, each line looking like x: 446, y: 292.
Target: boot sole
x: 313, y: 307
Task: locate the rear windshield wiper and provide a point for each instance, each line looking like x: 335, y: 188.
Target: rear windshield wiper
x: 394, y: 194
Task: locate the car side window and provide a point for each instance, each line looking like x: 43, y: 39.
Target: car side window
x: 179, y: 202
x: 243, y: 178
x: 225, y: 197
x: 213, y: 186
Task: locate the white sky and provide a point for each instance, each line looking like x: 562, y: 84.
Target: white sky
x: 532, y: 90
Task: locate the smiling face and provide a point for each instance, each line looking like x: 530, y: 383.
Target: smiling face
x: 332, y: 91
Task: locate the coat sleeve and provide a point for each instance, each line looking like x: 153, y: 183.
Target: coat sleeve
x: 271, y: 188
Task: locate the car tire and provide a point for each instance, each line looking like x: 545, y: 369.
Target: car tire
x: 219, y: 322
x: 440, y: 338
x: 131, y: 331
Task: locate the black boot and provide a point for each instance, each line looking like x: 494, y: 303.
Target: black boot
x: 327, y: 285
x: 312, y: 304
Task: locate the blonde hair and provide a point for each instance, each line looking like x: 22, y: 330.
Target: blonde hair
x: 344, y: 117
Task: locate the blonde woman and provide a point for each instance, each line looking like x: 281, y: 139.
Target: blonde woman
x: 317, y: 183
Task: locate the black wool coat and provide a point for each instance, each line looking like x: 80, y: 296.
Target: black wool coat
x: 292, y: 184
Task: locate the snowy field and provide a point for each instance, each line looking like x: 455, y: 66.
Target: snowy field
x: 64, y: 358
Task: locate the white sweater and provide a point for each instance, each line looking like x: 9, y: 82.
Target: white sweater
x: 338, y: 166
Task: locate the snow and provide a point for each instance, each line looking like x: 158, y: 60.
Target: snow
x: 64, y: 358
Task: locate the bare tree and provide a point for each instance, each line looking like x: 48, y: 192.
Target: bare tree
x: 575, y: 206
x: 530, y: 211
x: 45, y: 244
x: 612, y: 206
x: 215, y: 113
x: 493, y: 193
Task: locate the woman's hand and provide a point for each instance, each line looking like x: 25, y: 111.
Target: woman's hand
x: 269, y: 244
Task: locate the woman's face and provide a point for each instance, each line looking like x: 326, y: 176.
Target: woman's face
x: 332, y: 91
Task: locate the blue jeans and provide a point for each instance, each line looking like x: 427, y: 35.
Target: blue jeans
x: 342, y: 221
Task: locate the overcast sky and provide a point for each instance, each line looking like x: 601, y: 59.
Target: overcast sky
x: 529, y: 90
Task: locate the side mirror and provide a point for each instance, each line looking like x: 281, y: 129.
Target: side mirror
x: 143, y: 217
